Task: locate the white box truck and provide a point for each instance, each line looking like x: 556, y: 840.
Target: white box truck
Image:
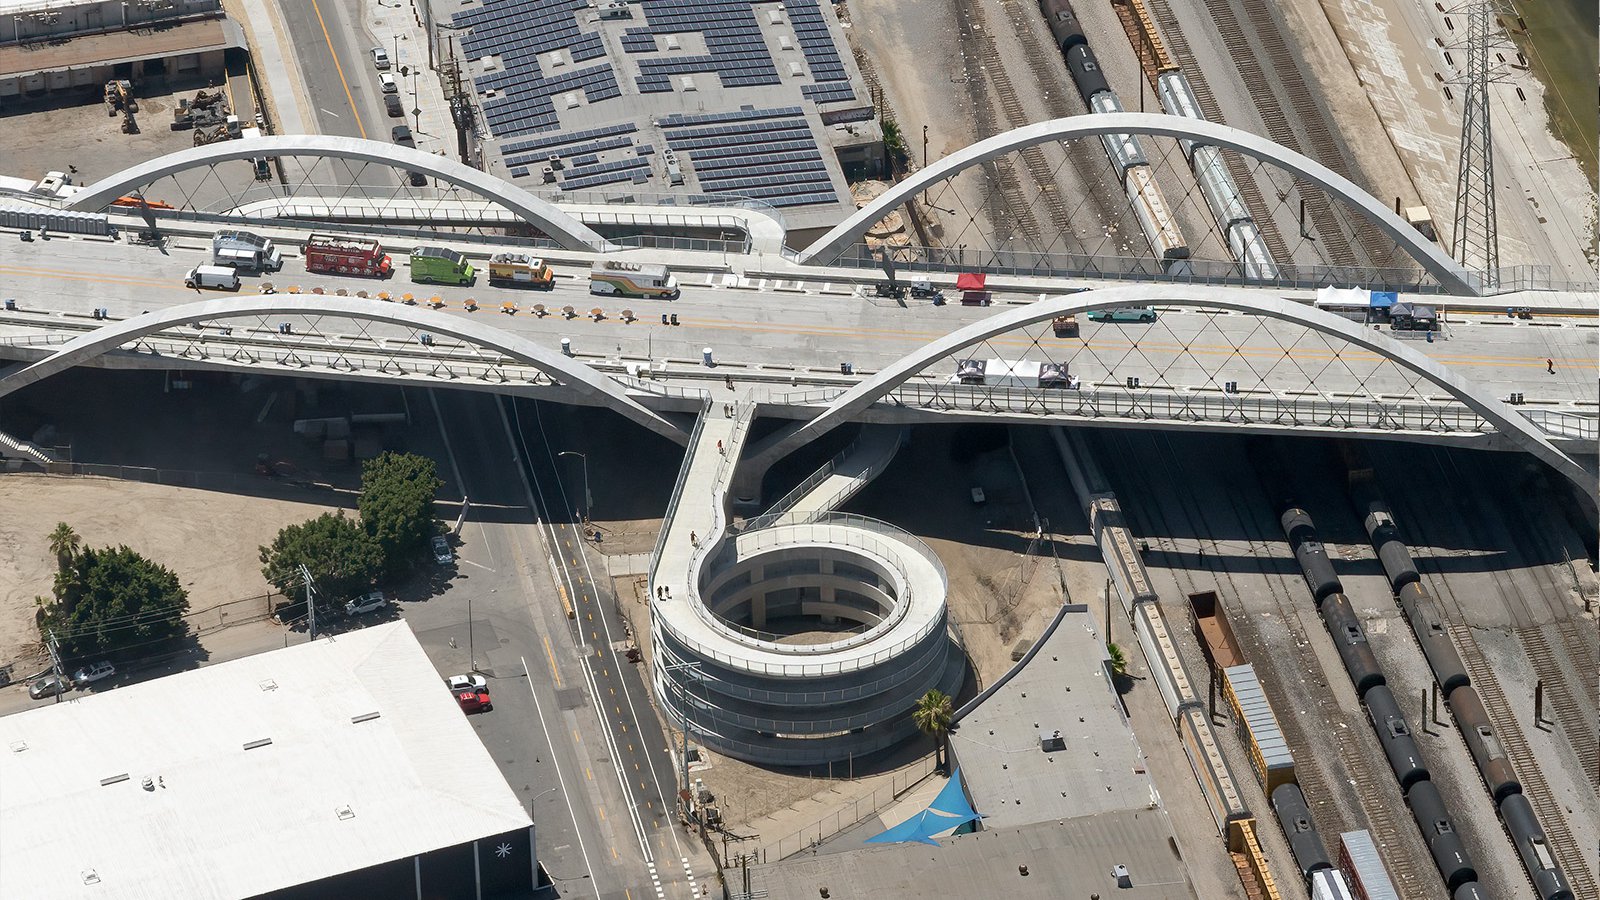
x: 245, y: 251
x: 1012, y: 373
x: 222, y: 278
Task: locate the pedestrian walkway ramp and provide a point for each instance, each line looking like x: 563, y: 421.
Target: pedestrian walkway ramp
x: 806, y: 636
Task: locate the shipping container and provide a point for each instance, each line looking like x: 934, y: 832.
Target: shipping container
x: 1363, y: 867
x: 1269, y: 752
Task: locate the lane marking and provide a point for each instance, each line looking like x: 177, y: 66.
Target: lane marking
x: 555, y: 761
x: 354, y: 113
x: 550, y: 655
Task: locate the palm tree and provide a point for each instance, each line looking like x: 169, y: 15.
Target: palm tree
x: 932, y: 715
x: 64, y: 543
x: 1119, y: 660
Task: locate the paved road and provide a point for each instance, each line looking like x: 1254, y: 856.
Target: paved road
x: 334, y: 54
x: 572, y: 726
x: 795, y: 332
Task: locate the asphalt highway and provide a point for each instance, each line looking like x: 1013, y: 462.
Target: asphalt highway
x: 784, y: 332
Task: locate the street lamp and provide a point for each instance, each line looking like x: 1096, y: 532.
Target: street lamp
x: 588, y: 499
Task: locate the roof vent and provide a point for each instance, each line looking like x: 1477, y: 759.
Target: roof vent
x: 364, y: 717
x: 256, y: 744
x: 269, y: 685
x: 149, y: 784
x: 1120, y: 872
x: 90, y: 876
x: 344, y: 812
x: 18, y: 746
x: 115, y: 779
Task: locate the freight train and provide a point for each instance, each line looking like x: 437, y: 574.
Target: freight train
x: 1216, y: 185
x: 1405, y: 758
x: 1494, y: 764
x: 1133, y: 167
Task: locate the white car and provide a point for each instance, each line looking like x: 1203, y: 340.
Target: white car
x: 469, y: 682
x: 387, y: 82
x: 366, y: 603
x: 90, y: 674
x: 380, y: 58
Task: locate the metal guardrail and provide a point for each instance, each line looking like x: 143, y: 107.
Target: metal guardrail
x: 677, y: 487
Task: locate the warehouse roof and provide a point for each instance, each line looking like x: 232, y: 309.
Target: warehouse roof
x: 1045, y: 861
x: 1059, y: 697
x: 245, y: 777
x: 113, y: 47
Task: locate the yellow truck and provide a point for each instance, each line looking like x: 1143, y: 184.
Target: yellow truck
x: 520, y: 270
x: 615, y: 277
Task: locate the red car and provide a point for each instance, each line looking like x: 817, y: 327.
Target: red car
x: 474, y: 700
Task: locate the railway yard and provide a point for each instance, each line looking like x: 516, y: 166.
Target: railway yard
x: 1514, y: 593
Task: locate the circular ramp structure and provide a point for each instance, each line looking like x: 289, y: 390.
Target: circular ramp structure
x: 807, y: 640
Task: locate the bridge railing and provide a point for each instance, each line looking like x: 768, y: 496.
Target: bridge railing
x: 677, y: 487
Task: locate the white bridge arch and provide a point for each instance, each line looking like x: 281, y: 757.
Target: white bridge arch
x: 569, y: 372
x: 851, y: 403
x: 1434, y: 261
x: 560, y: 225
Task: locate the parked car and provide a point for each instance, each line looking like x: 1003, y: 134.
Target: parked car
x: 366, y: 603
x: 401, y: 134
x: 388, y: 83
x: 442, y: 554
x: 393, y: 106
x: 1123, y: 314
x: 474, y: 700
x: 380, y: 58
x: 90, y: 674
x: 471, y: 681
x: 48, y: 686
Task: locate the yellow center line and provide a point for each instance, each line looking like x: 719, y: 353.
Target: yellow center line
x: 550, y: 655
x: 340, y: 69
x: 602, y: 811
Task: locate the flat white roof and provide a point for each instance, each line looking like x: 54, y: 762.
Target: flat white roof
x: 327, y: 795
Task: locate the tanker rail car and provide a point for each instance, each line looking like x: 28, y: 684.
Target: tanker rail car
x: 1493, y: 762
x: 1405, y: 758
x: 1127, y: 157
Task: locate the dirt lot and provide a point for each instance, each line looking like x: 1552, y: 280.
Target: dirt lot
x: 208, y: 538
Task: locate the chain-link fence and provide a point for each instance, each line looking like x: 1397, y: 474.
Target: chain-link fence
x: 850, y: 814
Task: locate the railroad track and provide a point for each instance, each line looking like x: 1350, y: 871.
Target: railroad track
x: 1309, y: 755
x: 975, y: 32
x: 1049, y: 70
x: 1421, y: 530
x: 1568, y: 713
x: 1286, y: 74
x: 1249, y: 191
x: 1534, y: 786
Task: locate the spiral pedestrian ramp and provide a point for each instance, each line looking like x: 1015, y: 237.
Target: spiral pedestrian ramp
x: 801, y: 638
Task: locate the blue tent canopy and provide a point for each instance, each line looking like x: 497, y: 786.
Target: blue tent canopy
x: 949, y: 810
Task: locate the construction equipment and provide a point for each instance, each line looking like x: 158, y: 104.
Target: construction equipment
x: 204, y: 110
x: 119, y: 98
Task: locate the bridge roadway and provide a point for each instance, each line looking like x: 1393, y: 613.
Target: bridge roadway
x: 792, y: 335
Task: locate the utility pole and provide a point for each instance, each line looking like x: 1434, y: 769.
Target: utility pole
x: 55, y: 660
x: 1475, y: 240
x: 588, y: 499
x: 311, y: 602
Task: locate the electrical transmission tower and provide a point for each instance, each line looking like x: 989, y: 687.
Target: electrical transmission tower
x: 1476, y: 239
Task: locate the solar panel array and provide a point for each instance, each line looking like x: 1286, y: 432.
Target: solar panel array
x: 766, y: 154
x: 735, y: 50
x: 519, y: 32
x: 827, y: 69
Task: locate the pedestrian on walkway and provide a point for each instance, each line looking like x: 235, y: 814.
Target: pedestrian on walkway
x: 1550, y: 366
x: 694, y: 539
x: 720, y: 449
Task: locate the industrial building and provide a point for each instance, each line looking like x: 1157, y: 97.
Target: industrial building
x: 674, y: 98
x: 336, y: 768
x: 75, y: 46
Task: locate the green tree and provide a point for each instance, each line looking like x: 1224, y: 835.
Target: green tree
x: 342, y: 558
x: 932, y: 715
x: 113, y: 598
x: 63, y: 543
x: 397, y: 491
x: 1119, y: 660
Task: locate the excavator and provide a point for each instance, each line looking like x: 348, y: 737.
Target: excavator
x: 119, y: 98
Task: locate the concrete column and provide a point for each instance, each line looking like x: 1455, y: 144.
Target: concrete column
x: 758, y: 610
